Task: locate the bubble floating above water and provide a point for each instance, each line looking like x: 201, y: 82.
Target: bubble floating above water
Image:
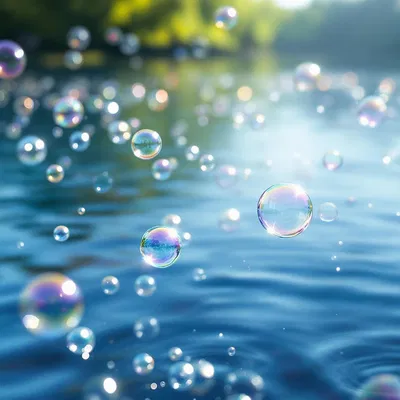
x: 231, y: 351
x: 146, y: 144
x: 175, y: 353
x: 68, y: 112
x: 12, y: 59
x: 199, y: 275
x: 244, y: 382
x: 328, y: 212
x: 55, y: 173
x: 145, y: 285
x: 51, y: 304
x: 110, y: 285
x: 172, y: 221
x: 103, y: 183
x: 146, y: 328
x: 380, y: 387
x: 143, y: 364
x: 81, y: 340
x: 181, y: 376
x: 371, y: 111
x: 31, y: 150
x: 285, y: 210
x: 160, y: 246
x: 192, y: 153
x: 119, y: 132
x: 61, y: 233
x: 78, y: 38
x: 81, y: 211
x: 79, y: 141
x: 161, y: 169
x: 229, y: 220
x: 226, y: 176
x: 73, y: 60
x: 332, y: 160
x: 207, y: 162
x: 226, y: 18
x: 306, y: 77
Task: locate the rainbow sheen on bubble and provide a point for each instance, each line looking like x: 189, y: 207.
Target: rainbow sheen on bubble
x: 143, y: 364
x: 161, y: 169
x: 12, y: 59
x: 160, y: 246
x: 51, y: 305
x: 226, y: 17
x: 380, y: 387
x: 55, y: 173
x: 372, y: 111
x: 332, y: 160
x: 285, y: 210
x: 68, y: 112
x: 306, y: 77
x: 146, y: 144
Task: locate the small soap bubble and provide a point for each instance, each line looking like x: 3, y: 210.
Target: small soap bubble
x: 207, y: 162
x: 61, y: 233
x: 172, y: 221
x: 161, y: 169
x: 231, y: 351
x: 192, y: 153
x: 103, y: 183
x: 328, y: 212
x: 186, y: 238
x: 129, y: 44
x: 73, y: 60
x: 380, y: 387
x: 175, y: 353
x: 181, y: 376
x: 146, y: 144
x: 113, y: 36
x: 81, y: 340
x: 78, y: 38
x: 110, y: 364
x: 229, y: 220
x: 110, y: 285
x: 79, y: 141
x: 134, y: 123
x: 220, y: 335
x: 372, y: 111
x: 24, y: 106
x: 143, y: 364
x: 12, y: 59
x: 55, y: 173
x: 306, y: 77
x: 226, y: 176
x: 146, y: 328
x: 157, y: 100
x: 226, y: 18
x: 285, y: 210
x: 81, y: 211
x: 145, y: 285
x: 20, y: 245
x: 119, y: 132
x: 332, y: 160
x: 13, y: 131
x: 244, y: 382
x: 68, y: 112
x: 51, y: 305
x: 257, y: 121
x: 31, y: 150
x: 199, y: 275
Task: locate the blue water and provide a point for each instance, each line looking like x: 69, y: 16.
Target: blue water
x: 309, y: 331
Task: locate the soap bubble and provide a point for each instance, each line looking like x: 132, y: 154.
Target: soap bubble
x: 226, y: 176
x: 68, y: 112
x: 161, y: 169
x: 145, y: 285
x: 257, y: 121
x: 79, y: 141
x: 143, y: 364
x: 51, y: 304
x: 371, y: 111
x: 207, y: 162
x: 31, y: 150
x: 78, y: 38
x: 172, y: 221
x: 175, y: 353
x: 160, y: 246
x: 24, y: 106
x: 110, y: 285
x: 81, y: 211
x: 73, y: 59
x: 55, y: 173
x: 244, y: 382
x: 157, y: 100
x: 113, y: 36
x: 332, y: 160
x: 285, y: 210
x: 146, y: 144
x: 186, y: 238
x: 61, y: 233
x: 229, y: 220
x: 192, y: 153
x: 380, y: 387
x: 146, y: 328
x: 181, y: 376
x: 226, y: 17
x: 231, y: 351
x: 12, y: 59
x: 103, y: 183
x: 119, y: 132
x: 199, y: 275
x: 81, y: 340
x: 129, y: 44
x: 328, y: 212
x: 306, y: 77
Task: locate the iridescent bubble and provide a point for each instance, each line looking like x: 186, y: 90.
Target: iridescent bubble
x: 285, y: 210
x: 119, y: 132
x: 231, y: 351
x: 110, y: 285
x: 103, y: 183
x: 146, y: 328
x: 160, y: 246
x: 61, y: 233
x: 175, y: 353
x: 31, y: 150
x: 207, y: 162
x: 12, y: 60
x: 78, y: 38
x: 181, y: 376
x: 371, y: 111
x: 172, y: 221
x: 55, y: 173
x: 143, y: 364
x: 192, y: 153
x: 226, y: 17
x: 146, y: 144
x: 81, y: 211
x: 306, y: 77
x: 161, y: 169
x: 380, y: 387
x: 73, y: 60
x: 81, y: 340
x: 199, y: 275
x: 79, y: 141
x: 332, y: 160
x: 68, y: 112
x: 226, y: 176
x: 244, y: 382
x: 51, y: 304
x: 328, y: 212
x: 113, y: 36
x: 229, y: 220
x: 145, y: 285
